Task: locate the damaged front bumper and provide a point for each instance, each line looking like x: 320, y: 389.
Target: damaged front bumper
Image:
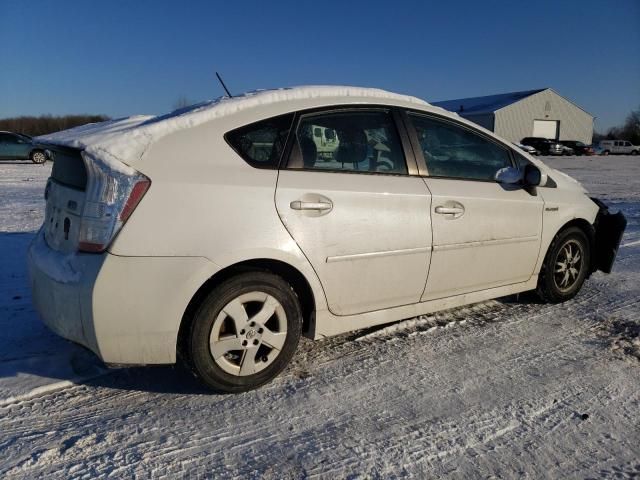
x: 609, y: 228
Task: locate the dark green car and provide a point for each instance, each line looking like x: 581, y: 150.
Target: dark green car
x: 14, y: 146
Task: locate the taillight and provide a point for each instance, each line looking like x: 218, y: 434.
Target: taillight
x: 113, y: 192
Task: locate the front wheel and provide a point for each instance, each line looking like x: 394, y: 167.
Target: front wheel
x: 606, y: 152
x: 565, y: 267
x: 38, y: 157
x: 634, y: 152
x: 245, y: 332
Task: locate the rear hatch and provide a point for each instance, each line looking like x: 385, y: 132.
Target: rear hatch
x: 65, y: 197
x: 89, y: 200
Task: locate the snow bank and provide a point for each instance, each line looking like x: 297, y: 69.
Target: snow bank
x: 126, y: 139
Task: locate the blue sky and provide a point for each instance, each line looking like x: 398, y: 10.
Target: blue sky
x: 126, y: 57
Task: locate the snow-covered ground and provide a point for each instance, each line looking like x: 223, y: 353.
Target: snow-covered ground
x: 507, y: 388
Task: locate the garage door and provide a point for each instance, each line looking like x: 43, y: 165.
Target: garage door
x: 545, y: 128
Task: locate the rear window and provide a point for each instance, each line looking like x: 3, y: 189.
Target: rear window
x: 68, y: 168
x: 261, y: 144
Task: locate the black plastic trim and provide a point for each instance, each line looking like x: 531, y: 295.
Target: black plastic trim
x: 609, y: 228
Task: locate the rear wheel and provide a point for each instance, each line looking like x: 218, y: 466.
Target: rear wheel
x: 245, y: 332
x: 38, y: 156
x: 606, y: 152
x: 565, y: 266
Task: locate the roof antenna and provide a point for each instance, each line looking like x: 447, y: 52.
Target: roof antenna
x: 223, y: 85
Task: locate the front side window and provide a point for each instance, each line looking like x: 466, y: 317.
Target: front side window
x: 356, y: 141
x: 452, y: 151
x: 261, y: 144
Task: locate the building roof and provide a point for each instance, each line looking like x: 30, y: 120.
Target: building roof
x: 486, y: 104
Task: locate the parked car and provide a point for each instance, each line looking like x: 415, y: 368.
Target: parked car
x: 620, y: 147
x: 529, y: 149
x: 578, y: 148
x: 170, y: 239
x: 566, y: 150
x: 544, y: 145
x: 15, y: 146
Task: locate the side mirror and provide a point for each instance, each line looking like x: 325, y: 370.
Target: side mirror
x: 508, y: 175
x: 534, y: 177
x: 531, y: 177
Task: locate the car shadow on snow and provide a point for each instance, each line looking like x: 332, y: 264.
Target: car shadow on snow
x: 19, y: 162
x: 166, y: 379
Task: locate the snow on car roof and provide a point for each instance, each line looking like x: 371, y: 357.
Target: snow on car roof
x: 126, y: 139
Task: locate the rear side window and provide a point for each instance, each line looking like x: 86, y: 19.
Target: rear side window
x: 261, y: 144
x: 349, y: 141
x: 455, y: 152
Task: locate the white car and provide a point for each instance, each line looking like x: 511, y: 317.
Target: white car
x: 218, y: 235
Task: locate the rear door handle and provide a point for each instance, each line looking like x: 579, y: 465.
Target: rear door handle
x: 449, y: 210
x: 320, y: 206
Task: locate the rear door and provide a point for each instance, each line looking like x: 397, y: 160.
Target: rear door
x: 359, y: 217
x: 485, y: 234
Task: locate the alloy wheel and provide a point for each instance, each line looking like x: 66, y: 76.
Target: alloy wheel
x: 248, y: 334
x: 38, y: 157
x: 568, y: 265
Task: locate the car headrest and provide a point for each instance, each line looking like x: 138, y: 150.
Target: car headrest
x: 353, y: 146
x: 309, y: 152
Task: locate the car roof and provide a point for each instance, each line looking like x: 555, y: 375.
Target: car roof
x: 126, y: 139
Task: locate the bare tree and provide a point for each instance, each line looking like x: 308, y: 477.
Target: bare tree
x: 44, y: 124
x: 182, y: 102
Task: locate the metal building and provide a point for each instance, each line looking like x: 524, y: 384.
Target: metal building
x: 532, y: 113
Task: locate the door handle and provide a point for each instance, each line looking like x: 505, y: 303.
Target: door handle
x: 300, y: 205
x: 449, y: 210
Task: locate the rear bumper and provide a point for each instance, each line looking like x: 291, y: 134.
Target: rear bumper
x: 609, y: 229
x: 127, y: 310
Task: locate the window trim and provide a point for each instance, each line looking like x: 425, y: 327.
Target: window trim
x: 419, y: 155
x: 407, y: 150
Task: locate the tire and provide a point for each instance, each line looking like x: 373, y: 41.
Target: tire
x: 38, y: 157
x: 559, y: 283
x: 232, y: 355
x: 634, y: 152
x: 606, y: 152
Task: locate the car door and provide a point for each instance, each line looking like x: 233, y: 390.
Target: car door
x: 617, y: 147
x: 361, y: 220
x: 485, y: 234
x: 15, y: 147
x: 5, y: 146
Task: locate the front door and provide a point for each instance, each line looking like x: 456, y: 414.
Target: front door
x: 363, y: 223
x: 485, y: 234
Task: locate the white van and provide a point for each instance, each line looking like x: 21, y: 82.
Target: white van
x: 618, y: 146
x: 326, y: 140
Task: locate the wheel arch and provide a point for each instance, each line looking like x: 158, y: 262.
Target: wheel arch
x: 292, y: 275
x: 36, y: 149
x: 588, y: 230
